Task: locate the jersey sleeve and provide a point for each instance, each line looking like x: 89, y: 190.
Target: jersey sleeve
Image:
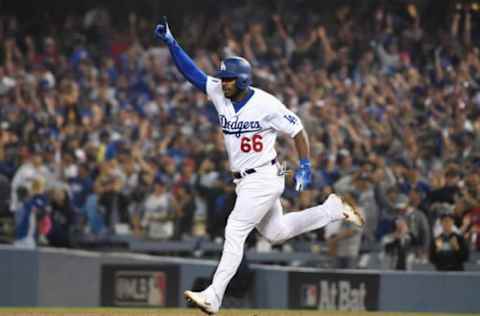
x: 187, y: 67
x: 214, y: 91
x: 283, y: 120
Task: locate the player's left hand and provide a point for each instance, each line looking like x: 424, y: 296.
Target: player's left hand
x: 303, y: 175
x: 162, y: 31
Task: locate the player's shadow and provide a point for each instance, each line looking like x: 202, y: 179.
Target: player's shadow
x: 239, y: 290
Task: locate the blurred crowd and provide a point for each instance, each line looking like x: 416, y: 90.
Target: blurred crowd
x: 99, y: 133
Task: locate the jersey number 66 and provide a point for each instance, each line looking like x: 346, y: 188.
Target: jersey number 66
x: 248, y: 144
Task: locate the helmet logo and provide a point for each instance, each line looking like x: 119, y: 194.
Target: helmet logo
x: 222, y: 66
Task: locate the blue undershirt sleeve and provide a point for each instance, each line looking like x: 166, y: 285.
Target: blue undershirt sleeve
x: 188, y: 68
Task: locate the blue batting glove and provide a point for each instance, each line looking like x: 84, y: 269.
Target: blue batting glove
x: 162, y: 31
x: 303, y: 175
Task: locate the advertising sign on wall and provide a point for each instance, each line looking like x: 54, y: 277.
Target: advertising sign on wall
x: 333, y: 291
x: 139, y: 286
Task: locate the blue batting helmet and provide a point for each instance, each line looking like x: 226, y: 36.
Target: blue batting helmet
x: 238, y: 68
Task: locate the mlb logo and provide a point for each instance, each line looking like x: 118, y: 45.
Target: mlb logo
x: 309, y: 295
x: 157, y: 289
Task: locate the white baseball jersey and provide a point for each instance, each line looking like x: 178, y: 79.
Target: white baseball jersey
x: 251, y: 132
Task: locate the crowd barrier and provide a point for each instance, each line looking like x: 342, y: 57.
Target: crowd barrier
x: 62, y: 277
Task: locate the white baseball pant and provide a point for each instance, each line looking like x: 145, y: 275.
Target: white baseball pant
x: 258, y: 206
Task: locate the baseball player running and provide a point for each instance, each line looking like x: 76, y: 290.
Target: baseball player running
x: 251, y: 119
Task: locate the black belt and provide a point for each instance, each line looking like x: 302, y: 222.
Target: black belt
x: 238, y: 175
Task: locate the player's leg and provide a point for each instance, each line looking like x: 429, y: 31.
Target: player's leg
x: 236, y: 233
x: 277, y: 227
x: 256, y: 197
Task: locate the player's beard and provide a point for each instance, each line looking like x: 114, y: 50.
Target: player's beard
x: 235, y: 94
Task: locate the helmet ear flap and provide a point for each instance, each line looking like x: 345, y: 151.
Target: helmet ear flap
x: 243, y: 81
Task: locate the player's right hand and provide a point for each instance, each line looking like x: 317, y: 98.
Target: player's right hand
x: 162, y: 31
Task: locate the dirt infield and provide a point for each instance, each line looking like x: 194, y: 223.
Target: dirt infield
x: 190, y: 312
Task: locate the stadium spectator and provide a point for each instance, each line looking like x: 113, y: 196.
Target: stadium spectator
x: 31, y: 219
x: 449, y: 251
x: 144, y: 186
x: 183, y: 204
x: 362, y: 183
x: 344, y: 242
x: 398, y: 247
x: 223, y: 207
x: 471, y: 228
x: 62, y: 218
x: 159, y: 216
x: 467, y: 211
x: 32, y: 169
x: 100, y: 112
x: 418, y: 225
x: 448, y: 190
x: 108, y: 186
x: 209, y: 188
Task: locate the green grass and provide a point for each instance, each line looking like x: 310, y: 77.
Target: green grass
x: 192, y: 312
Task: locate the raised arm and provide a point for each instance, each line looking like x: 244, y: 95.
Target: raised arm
x: 184, y: 63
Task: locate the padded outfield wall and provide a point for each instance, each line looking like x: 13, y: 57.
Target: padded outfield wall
x: 57, y: 277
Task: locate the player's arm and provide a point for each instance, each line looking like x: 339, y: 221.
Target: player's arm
x: 302, y: 145
x: 303, y: 175
x: 184, y: 63
x: 287, y: 122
